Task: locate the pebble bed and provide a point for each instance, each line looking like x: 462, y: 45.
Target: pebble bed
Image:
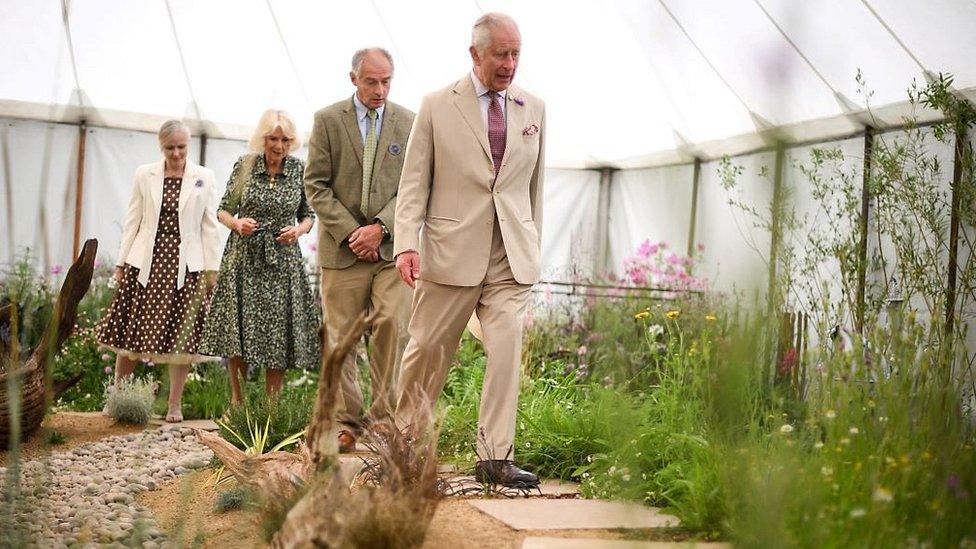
x: 85, y: 497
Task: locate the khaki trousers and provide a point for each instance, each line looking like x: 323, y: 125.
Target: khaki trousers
x: 376, y: 289
x: 440, y: 313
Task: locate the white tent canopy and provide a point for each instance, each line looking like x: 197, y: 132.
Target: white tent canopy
x: 636, y: 91
x: 628, y: 83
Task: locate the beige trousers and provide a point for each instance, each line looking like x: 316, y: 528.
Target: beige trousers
x: 376, y: 289
x: 440, y: 313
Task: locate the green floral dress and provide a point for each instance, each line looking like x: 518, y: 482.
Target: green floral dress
x: 262, y: 308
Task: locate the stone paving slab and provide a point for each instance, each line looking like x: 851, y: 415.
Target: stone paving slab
x: 590, y: 543
x: 552, y: 488
x: 202, y: 424
x: 573, y: 514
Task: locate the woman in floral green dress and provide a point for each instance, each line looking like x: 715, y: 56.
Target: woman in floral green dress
x: 263, y: 312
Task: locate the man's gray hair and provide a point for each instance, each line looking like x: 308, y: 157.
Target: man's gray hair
x: 481, y: 31
x: 360, y: 56
x: 171, y: 127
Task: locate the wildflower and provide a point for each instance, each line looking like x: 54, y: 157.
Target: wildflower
x: 830, y: 414
x: 858, y: 512
x: 108, y: 370
x: 626, y: 478
x: 826, y: 471
x: 854, y: 430
x: 528, y: 444
x: 106, y: 357
x: 881, y: 494
x: 710, y: 317
x: 582, y: 350
x: 613, y: 470
x: 672, y: 314
x: 56, y: 270
x: 870, y: 403
x: 786, y: 429
x: 642, y: 315
x: 818, y: 445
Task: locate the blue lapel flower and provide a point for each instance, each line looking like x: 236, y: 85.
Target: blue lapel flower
x: 395, y: 149
x: 199, y: 183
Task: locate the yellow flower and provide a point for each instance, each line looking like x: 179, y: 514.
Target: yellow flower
x: 710, y: 317
x: 642, y: 315
x: 673, y: 313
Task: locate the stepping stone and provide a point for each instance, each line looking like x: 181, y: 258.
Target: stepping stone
x: 591, y: 543
x: 558, y: 488
x: 202, y: 424
x: 573, y: 514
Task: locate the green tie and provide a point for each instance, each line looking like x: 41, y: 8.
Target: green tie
x: 369, y: 154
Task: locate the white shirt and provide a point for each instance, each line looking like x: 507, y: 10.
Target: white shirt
x: 361, y: 116
x: 483, y: 98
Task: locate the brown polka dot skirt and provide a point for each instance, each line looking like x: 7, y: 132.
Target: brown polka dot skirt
x: 159, y: 322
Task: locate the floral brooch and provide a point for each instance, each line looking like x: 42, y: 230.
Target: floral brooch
x: 518, y: 100
x: 395, y: 149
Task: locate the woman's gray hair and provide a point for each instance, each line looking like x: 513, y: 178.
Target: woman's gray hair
x: 481, y: 31
x: 360, y: 56
x: 270, y: 121
x: 171, y: 127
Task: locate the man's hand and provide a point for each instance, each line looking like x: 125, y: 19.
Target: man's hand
x: 365, y: 241
x: 408, y: 264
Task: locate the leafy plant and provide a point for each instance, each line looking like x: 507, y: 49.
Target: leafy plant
x: 131, y: 400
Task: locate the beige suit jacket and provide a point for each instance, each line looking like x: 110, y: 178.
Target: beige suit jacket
x: 449, y: 195
x: 199, y: 240
x: 334, y: 178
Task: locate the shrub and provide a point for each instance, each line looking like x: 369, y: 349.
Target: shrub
x: 284, y: 416
x: 131, y: 400
x: 232, y: 499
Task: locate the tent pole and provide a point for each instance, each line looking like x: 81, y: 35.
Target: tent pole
x: 695, y: 180
x: 203, y: 149
x: 79, y: 186
x: 957, y: 169
x: 776, y: 231
x: 602, y: 259
x: 862, y: 227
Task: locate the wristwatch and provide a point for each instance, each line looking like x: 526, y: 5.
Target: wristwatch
x: 386, y: 232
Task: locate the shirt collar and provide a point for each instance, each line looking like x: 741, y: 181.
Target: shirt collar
x: 362, y: 110
x: 480, y: 89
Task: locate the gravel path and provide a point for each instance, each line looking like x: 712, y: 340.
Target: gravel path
x: 84, y: 497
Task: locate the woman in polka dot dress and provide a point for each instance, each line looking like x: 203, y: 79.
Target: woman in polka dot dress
x: 167, y: 264
x: 263, y: 313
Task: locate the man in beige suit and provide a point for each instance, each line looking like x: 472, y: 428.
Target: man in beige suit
x: 468, y: 221
x: 355, y: 156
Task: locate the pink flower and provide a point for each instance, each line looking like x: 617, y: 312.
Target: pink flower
x: 673, y: 258
x: 582, y: 350
x: 700, y: 247
x: 99, y: 263
x: 108, y: 370
x: 106, y: 357
x: 644, y: 250
x: 56, y: 270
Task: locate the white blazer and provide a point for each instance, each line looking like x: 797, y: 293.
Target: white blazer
x: 199, y: 243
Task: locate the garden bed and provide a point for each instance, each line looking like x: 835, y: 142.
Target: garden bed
x: 75, y: 428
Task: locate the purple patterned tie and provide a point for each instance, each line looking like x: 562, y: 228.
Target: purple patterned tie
x: 496, y: 130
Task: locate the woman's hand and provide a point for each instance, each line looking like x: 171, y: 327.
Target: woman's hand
x: 119, y: 273
x: 210, y: 279
x: 289, y: 234
x: 245, y: 226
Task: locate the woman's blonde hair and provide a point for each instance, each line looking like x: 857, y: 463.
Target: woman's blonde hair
x: 171, y: 127
x: 271, y: 120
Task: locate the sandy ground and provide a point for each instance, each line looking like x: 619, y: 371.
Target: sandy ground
x: 185, y: 509
x: 77, y: 428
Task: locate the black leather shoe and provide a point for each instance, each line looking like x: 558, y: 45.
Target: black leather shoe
x: 505, y: 473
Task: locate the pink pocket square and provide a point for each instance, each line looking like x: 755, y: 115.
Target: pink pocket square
x: 531, y: 129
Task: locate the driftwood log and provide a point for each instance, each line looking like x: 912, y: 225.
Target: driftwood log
x: 33, y: 377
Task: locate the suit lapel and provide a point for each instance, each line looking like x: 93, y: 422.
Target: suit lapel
x: 386, y: 137
x: 189, y: 180
x: 514, y: 117
x: 352, y: 130
x: 156, y: 185
x: 467, y: 102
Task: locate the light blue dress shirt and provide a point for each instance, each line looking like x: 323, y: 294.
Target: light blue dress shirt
x: 361, y: 112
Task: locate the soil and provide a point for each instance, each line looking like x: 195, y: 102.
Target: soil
x: 185, y: 510
x: 77, y: 428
